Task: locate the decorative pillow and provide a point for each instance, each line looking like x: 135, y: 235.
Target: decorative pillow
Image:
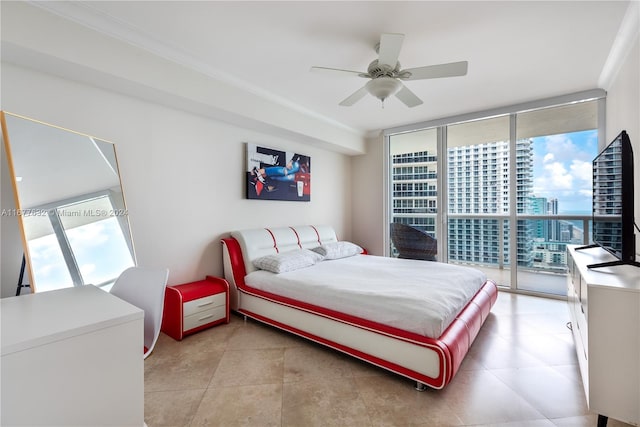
x: 336, y: 250
x: 287, y: 261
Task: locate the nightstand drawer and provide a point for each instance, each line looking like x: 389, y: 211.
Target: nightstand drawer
x: 192, y: 307
x: 204, y: 317
x: 202, y: 304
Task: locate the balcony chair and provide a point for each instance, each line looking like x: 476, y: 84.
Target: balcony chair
x: 412, y: 243
x: 144, y: 288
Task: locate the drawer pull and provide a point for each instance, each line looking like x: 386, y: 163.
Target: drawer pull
x: 204, y: 304
x: 206, y: 317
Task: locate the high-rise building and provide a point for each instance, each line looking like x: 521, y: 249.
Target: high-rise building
x: 553, y: 231
x: 539, y: 206
x: 414, y: 186
x: 478, y: 185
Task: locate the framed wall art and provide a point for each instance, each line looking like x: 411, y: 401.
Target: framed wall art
x: 277, y: 175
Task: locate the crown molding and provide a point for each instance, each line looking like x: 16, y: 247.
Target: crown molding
x: 627, y: 36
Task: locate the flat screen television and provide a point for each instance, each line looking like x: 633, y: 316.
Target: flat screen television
x: 613, y: 218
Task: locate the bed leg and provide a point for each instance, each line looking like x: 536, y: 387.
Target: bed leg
x: 420, y: 386
x: 245, y: 319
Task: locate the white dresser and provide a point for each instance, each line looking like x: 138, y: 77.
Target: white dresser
x: 71, y: 357
x: 604, y: 305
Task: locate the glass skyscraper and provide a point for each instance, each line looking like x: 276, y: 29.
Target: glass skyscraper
x: 477, y: 186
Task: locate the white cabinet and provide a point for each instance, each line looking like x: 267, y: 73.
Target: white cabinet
x: 604, y: 306
x: 71, y: 357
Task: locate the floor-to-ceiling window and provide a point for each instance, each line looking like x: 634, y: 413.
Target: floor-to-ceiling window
x: 478, y: 191
x: 413, y: 159
x: 563, y: 141
x: 514, y: 187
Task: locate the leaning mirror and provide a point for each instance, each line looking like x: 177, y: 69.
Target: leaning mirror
x: 69, y: 203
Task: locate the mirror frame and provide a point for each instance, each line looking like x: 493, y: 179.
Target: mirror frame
x: 123, y: 220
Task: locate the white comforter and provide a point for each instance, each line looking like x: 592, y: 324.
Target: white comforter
x: 416, y: 296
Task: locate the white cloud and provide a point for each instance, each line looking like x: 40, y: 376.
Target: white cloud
x: 87, y: 269
x: 561, y: 147
x: 581, y: 170
x: 564, y: 149
x: 88, y: 236
x: 557, y: 176
x: 548, y: 158
x: 554, y: 178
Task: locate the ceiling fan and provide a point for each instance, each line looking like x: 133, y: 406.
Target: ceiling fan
x: 386, y: 75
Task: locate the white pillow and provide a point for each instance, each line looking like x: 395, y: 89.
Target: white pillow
x: 287, y: 261
x: 336, y: 250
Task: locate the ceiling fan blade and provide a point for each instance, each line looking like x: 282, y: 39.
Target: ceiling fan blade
x: 354, y: 97
x: 389, y: 48
x: 451, y: 69
x: 337, y: 71
x: 408, y: 98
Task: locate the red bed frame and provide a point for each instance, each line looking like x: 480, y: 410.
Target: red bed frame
x: 381, y: 345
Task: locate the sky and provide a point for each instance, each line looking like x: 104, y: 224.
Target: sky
x: 562, y: 169
x: 99, y: 248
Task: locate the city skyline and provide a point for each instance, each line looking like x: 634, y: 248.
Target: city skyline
x: 554, y: 177
x: 562, y: 169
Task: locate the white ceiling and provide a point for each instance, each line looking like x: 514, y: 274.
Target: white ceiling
x: 517, y: 51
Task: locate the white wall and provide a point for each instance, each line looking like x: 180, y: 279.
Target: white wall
x: 369, y: 195
x: 179, y: 136
x: 623, y: 112
x: 182, y: 173
x: 36, y: 38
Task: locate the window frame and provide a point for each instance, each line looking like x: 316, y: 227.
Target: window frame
x: 512, y: 217
x: 52, y: 212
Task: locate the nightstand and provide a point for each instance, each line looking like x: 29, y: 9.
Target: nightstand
x: 192, y: 307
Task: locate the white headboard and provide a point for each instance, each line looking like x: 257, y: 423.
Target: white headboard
x: 257, y: 242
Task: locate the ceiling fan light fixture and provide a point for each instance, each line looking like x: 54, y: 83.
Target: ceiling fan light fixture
x: 383, y: 87
x: 386, y: 75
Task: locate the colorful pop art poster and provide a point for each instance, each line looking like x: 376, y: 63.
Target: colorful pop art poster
x: 277, y: 175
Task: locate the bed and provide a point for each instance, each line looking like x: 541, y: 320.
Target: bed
x: 361, y: 319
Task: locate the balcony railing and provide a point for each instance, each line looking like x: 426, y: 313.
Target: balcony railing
x: 541, y: 247
x: 482, y: 241
x: 500, y: 222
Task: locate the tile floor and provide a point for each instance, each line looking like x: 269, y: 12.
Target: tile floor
x: 520, y: 371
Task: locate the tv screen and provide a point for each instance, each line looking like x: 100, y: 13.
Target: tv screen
x: 613, y: 200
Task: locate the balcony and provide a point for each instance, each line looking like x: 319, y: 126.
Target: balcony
x: 540, y: 248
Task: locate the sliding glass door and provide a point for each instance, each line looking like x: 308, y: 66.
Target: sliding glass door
x: 413, y: 159
x: 562, y: 142
x: 477, y: 165
x: 504, y: 193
